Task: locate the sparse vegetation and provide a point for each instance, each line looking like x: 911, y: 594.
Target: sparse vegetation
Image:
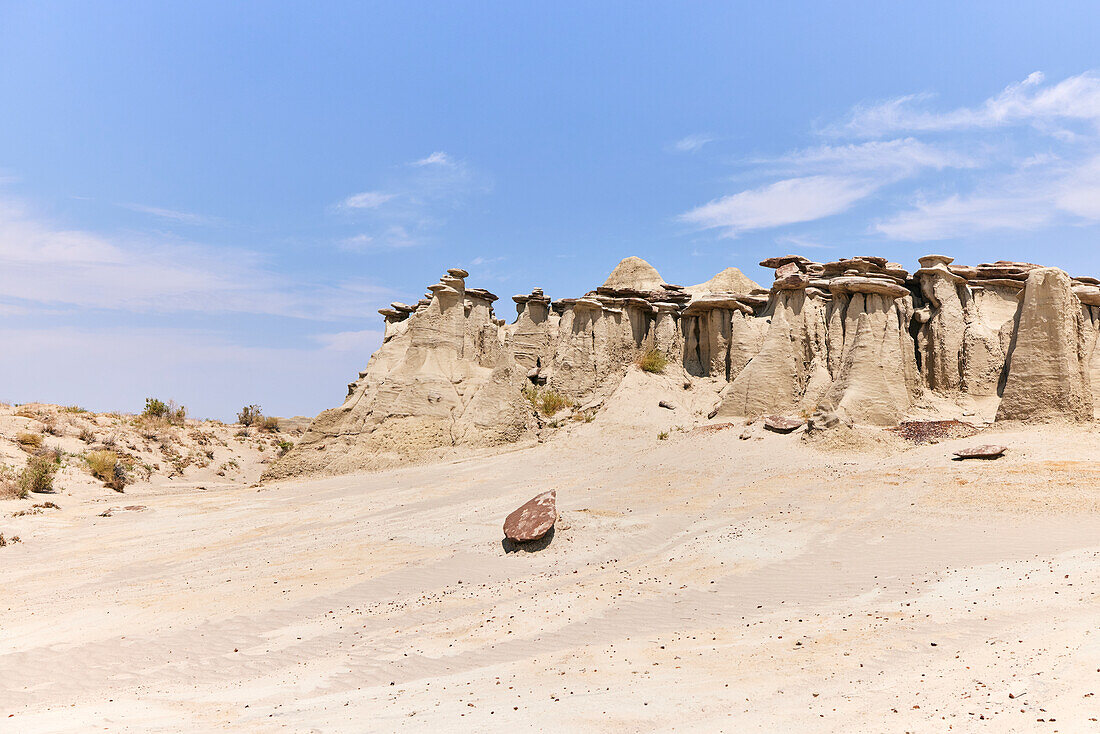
x: 87, y: 435
x: 38, y: 474
x: 6, y: 541
x: 653, y: 361
x: 101, y: 464
x: 270, y: 424
x: 73, y: 409
x: 10, y: 487
x: 283, y: 446
x: 548, y: 402
x: 108, y: 467
x: 662, y: 436
x: 250, y: 415
x: 170, y: 412
x: 29, y: 441
x: 551, y: 402
x: 36, y: 509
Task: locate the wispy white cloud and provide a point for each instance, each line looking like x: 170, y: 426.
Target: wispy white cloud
x: 692, y: 143
x: 893, y: 159
x: 1076, y: 98
x: 170, y: 214
x: 800, y: 242
x: 438, y: 158
x: 366, y: 200
x: 415, y: 204
x: 45, y: 264
x: 1025, y: 158
x: 1041, y: 191
x: 956, y: 215
x: 487, y: 260
x: 783, y: 202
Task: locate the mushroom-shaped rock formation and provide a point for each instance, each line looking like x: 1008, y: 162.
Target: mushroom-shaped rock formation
x: 856, y: 340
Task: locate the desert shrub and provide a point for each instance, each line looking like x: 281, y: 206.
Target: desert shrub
x: 51, y: 427
x: 270, y: 423
x: 73, y: 409
x: 86, y: 435
x: 653, y: 361
x: 548, y: 402
x: 38, y: 475
x: 9, y: 484
x: 284, y: 446
x: 662, y: 436
x: 101, y: 464
x: 108, y: 467
x: 250, y: 415
x: 6, y: 541
x: 29, y: 441
x: 171, y: 412
x: 551, y: 402
x: 155, y: 408
x: 531, y: 394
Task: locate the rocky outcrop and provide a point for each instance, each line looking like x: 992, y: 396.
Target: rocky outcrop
x: 1047, y: 367
x: 854, y: 341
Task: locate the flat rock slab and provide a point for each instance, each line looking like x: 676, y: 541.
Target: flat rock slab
x: 981, y: 452
x: 534, y: 519
x: 782, y: 424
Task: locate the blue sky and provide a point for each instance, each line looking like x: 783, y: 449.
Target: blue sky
x: 208, y: 201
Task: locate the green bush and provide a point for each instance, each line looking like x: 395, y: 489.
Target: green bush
x: 250, y: 415
x: 284, y: 446
x: 653, y: 361
x: 170, y: 411
x: 155, y: 408
x: 38, y: 474
x: 551, y: 402
x: 546, y: 401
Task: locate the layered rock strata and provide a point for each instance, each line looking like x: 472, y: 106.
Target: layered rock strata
x: 858, y: 339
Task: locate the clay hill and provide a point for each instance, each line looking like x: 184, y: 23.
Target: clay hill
x: 857, y: 341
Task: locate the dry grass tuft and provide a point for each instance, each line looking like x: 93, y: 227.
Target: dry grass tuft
x: 29, y: 441
x: 653, y: 361
x: 108, y: 468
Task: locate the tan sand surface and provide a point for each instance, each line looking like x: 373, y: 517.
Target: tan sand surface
x: 700, y: 583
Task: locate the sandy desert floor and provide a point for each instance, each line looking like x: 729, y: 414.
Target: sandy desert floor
x: 701, y: 583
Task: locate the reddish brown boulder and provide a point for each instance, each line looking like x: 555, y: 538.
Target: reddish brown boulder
x: 981, y: 452
x: 533, y: 520
x: 781, y: 424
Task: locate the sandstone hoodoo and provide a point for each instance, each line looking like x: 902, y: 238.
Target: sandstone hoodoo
x: 981, y: 452
x: 855, y: 341
x: 533, y: 520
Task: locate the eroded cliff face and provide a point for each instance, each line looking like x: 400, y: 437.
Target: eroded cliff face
x: 860, y: 339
